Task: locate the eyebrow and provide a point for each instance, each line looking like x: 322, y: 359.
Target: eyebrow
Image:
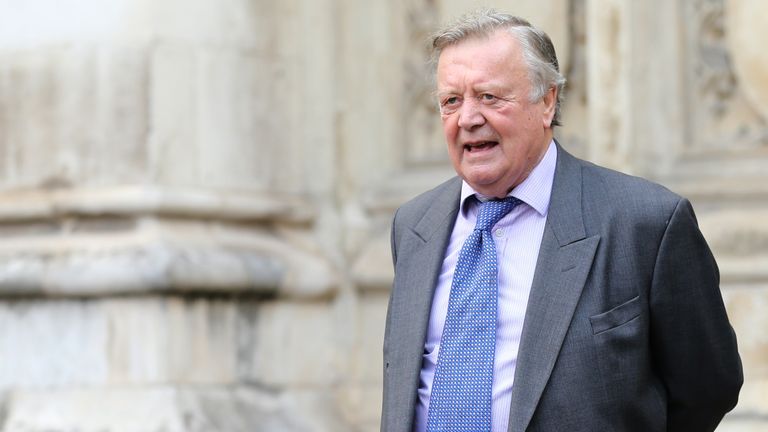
x: 479, y: 89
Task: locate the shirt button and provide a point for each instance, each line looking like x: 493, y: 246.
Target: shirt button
x: 499, y: 232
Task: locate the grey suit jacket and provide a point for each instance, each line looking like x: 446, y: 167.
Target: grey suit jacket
x: 625, y: 328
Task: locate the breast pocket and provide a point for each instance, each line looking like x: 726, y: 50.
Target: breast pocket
x: 620, y: 340
x: 617, y: 316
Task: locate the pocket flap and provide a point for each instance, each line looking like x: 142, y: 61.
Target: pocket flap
x: 617, y: 316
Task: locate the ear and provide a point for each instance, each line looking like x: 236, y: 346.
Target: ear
x: 550, y: 103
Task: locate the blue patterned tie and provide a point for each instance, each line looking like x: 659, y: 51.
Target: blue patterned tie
x: 461, y: 390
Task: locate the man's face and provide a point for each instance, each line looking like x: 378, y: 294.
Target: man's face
x: 495, y: 135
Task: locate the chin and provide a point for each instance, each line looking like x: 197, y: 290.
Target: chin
x: 493, y: 186
x: 484, y: 188
x: 482, y: 182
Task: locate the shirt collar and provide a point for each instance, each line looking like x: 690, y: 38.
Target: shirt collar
x: 534, y: 191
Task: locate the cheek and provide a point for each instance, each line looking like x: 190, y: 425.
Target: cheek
x: 450, y: 128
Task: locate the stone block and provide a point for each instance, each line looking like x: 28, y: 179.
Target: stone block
x: 74, y: 114
x: 751, y: 414
x: 294, y: 345
x: 739, y: 240
x: 171, y: 409
x: 748, y: 311
x: 137, y: 341
x: 123, y: 410
x: 360, y: 406
x: 370, y: 337
x: 52, y: 344
x: 372, y: 266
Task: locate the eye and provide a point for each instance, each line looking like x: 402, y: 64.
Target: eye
x: 487, y: 97
x: 451, y: 100
x: 449, y: 105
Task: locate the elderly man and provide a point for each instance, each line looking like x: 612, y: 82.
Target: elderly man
x: 539, y: 292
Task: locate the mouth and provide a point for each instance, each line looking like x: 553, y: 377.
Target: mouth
x: 480, y: 146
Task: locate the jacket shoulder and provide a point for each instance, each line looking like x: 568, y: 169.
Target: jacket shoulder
x: 413, y: 210
x: 626, y: 194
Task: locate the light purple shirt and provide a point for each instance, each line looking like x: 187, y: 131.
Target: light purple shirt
x: 518, y: 238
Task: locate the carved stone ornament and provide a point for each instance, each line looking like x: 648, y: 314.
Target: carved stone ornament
x: 727, y: 96
x: 747, y: 33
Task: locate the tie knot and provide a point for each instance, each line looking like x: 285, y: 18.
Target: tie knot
x: 492, y: 211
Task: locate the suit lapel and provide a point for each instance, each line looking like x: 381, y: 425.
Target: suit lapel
x: 565, y: 259
x: 424, y: 247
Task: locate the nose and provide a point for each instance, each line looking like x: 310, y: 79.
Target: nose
x: 470, y: 116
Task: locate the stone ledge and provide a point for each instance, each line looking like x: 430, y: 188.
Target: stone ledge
x: 739, y: 241
x: 403, y: 185
x: 155, y: 267
x: 151, y: 255
x: 747, y: 182
x: 23, y: 205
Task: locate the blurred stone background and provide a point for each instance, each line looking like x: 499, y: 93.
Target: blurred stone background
x: 195, y: 195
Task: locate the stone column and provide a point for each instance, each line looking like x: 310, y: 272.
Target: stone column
x: 161, y: 266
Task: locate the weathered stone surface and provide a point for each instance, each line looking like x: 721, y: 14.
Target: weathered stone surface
x: 739, y: 241
x: 748, y: 310
x: 751, y: 409
x: 114, y: 254
x: 360, y: 398
x: 742, y: 425
x: 66, y: 343
x: 370, y: 334
x: 746, y: 26
x: 372, y: 267
x: 91, y: 411
x: 171, y: 409
x: 361, y: 407
x: 747, y: 306
x: 751, y: 415
x: 293, y: 345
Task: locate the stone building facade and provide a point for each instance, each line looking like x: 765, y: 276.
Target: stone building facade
x: 195, y: 195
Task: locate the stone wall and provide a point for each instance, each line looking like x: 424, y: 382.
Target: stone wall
x: 195, y: 196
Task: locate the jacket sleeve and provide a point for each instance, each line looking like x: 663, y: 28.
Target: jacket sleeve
x: 694, y: 346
